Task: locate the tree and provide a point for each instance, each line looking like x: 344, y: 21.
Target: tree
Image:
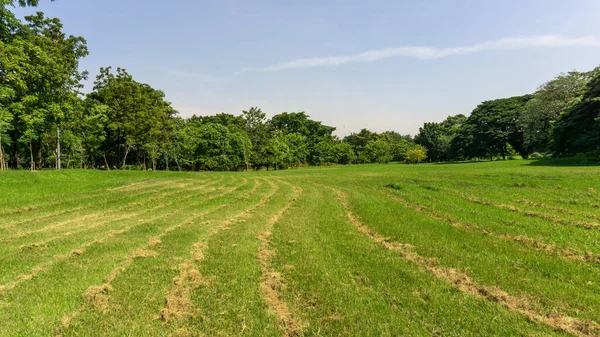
x: 399, y: 144
x: 39, y: 72
x: 219, y: 149
x: 342, y: 153
x: 359, y: 142
x: 322, y: 153
x: 578, y: 129
x: 5, y: 124
x: 432, y: 137
x: 225, y: 119
x: 314, y: 132
x: 546, y: 106
x: 259, y: 133
x: 416, y: 154
x: 298, y: 148
x: 9, y: 23
x: 278, y: 151
x: 187, y: 140
x: 138, y: 115
x: 493, y: 125
x: 379, y: 151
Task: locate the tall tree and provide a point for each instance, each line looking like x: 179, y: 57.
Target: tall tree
x: 494, y: 125
x: 219, y: 148
x: 39, y: 73
x: 259, y: 132
x: 138, y: 114
x: 379, y: 151
x: 578, y: 129
x: 359, y: 142
x: 546, y: 106
x: 433, y: 138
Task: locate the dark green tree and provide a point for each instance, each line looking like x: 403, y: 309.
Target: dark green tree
x: 546, y: 106
x: 492, y: 126
x: 578, y: 129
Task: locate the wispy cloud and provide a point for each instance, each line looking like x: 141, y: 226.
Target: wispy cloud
x: 428, y: 53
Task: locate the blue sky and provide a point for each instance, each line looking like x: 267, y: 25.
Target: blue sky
x: 350, y: 64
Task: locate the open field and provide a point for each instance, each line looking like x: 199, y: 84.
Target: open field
x: 481, y: 249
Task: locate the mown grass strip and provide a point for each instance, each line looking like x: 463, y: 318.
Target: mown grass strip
x: 462, y: 282
x: 178, y: 304
x: 271, y: 280
x: 569, y: 240
x: 106, y: 213
x: 98, y: 296
x: 81, y: 249
x: 130, y: 286
x: 536, y: 244
x: 103, y: 194
x: 102, y: 224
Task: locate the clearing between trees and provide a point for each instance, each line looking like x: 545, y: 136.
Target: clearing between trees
x: 478, y: 249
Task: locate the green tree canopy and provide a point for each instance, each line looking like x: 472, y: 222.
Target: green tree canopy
x: 546, y: 106
x: 578, y: 129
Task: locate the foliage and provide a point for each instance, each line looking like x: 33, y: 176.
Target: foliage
x: 546, y: 106
x: 416, y: 154
x: 578, y: 129
x: 379, y: 151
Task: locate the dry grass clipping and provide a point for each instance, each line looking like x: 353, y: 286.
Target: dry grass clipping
x: 272, y: 281
x: 178, y: 304
x: 536, y: 244
x: 544, y: 216
x: 97, y: 296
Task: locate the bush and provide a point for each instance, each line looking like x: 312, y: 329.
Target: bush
x: 511, y: 154
x: 416, y: 154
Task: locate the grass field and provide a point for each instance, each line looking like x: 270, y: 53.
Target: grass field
x: 482, y: 249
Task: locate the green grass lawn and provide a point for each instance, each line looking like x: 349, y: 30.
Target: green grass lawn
x: 476, y: 249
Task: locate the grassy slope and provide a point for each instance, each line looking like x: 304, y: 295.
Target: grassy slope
x: 501, y: 248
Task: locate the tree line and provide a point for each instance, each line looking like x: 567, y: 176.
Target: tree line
x: 46, y: 121
x: 562, y: 118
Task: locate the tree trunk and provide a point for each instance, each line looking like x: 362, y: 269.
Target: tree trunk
x: 58, y: 158
x: 177, y: 162
x: 68, y: 161
x: 167, y: 161
x: 153, y: 164
x: 105, y: 161
x: 32, y: 168
x: 40, y: 157
x: 124, y: 157
x: 13, y: 155
x: 2, y: 166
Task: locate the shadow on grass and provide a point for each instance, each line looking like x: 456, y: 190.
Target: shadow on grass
x: 580, y: 160
x: 462, y: 162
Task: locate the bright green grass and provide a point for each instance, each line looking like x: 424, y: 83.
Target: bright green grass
x: 158, y: 254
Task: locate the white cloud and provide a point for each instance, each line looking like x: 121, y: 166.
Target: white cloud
x: 428, y: 53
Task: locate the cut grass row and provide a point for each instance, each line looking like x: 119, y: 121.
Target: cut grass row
x: 70, y: 278
x: 22, y: 259
x: 167, y: 302
x: 549, y: 285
